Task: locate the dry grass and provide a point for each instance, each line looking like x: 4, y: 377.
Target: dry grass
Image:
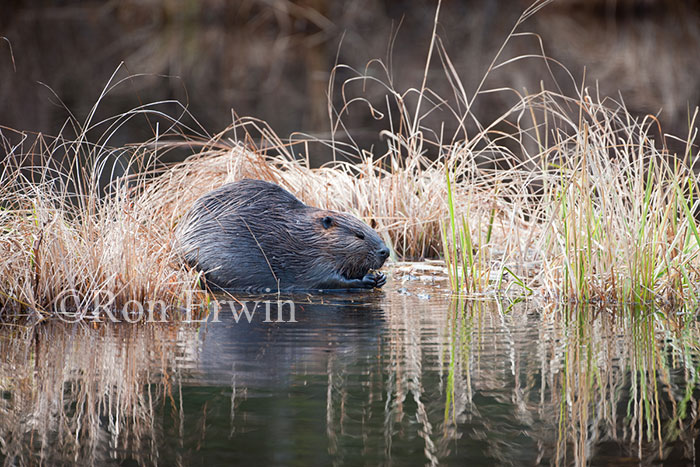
x: 60, y: 234
x: 569, y: 195
x: 610, y: 212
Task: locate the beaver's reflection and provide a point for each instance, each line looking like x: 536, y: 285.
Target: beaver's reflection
x: 250, y: 339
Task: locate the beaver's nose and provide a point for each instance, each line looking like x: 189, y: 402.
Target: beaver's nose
x: 383, y: 253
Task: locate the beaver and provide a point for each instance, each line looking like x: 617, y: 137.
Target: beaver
x: 254, y: 235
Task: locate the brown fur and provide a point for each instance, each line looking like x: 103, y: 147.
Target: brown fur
x: 254, y: 235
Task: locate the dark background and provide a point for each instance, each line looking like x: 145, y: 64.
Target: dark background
x: 272, y: 59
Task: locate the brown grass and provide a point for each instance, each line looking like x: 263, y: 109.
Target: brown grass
x: 570, y: 195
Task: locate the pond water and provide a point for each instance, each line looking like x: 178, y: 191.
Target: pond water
x: 405, y: 376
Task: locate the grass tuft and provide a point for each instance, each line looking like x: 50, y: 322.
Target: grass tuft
x: 569, y: 196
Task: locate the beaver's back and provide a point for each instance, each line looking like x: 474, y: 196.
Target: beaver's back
x: 229, y: 233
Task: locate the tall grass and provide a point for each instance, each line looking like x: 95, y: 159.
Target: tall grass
x: 74, y: 228
x: 567, y: 195
x: 612, y: 213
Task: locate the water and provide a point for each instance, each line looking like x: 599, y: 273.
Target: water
x: 394, y: 377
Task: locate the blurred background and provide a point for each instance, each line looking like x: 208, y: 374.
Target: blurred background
x: 273, y: 59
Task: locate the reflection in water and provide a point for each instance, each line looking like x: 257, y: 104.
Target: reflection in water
x: 78, y: 394
x: 389, y: 379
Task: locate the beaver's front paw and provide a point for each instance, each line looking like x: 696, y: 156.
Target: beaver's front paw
x: 374, y: 279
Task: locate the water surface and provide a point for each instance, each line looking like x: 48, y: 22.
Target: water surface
x: 406, y: 376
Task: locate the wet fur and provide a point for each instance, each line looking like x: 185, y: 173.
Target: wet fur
x: 254, y: 235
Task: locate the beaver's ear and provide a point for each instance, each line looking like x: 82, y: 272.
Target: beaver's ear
x: 326, y: 222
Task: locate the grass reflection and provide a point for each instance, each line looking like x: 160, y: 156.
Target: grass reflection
x: 622, y: 384
x: 78, y: 394
x: 412, y: 381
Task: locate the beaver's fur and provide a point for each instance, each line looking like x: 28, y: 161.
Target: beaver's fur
x: 253, y: 235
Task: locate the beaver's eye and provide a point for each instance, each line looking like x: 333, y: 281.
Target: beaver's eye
x: 326, y: 222
x: 360, y: 235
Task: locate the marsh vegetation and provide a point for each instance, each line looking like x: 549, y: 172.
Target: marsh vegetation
x: 572, y: 216
x: 570, y: 197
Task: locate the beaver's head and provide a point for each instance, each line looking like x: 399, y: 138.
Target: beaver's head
x: 354, y: 246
